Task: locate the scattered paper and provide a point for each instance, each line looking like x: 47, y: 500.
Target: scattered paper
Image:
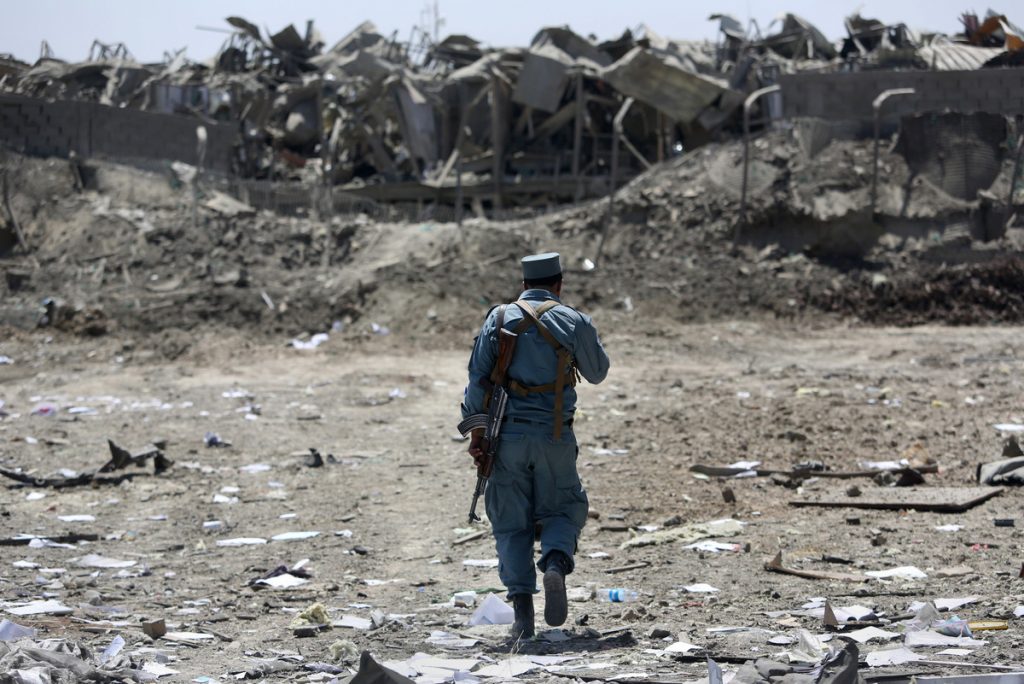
x: 714, y: 673
x: 241, y: 541
x: 903, y: 572
x: 158, y: 669
x: 863, y: 636
x: 700, y: 588
x: 481, y: 563
x: 464, y: 599
x: 929, y: 638
x: 855, y: 612
x: 95, y: 561
x: 294, y: 536
x: 313, y: 342
x: 189, y: 636
x: 713, y: 546
x: 1009, y: 427
x: 352, y: 622
x: 48, y: 607
x: 112, y: 650
x: 492, y: 611
x: 1018, y: 611
x: 949, y: 528
x: 509, y: 668
x: 255, y: 468
x: 956, y: 652
x: 77, y: 518
x: 12, y: 631
x: 44, y: 543
x: 449, y: 640
x: 943, y: 603
x: 282, y: 581
x: 884, y: 465
x: 727, y: 629
x: 895, y: 656
x: 682, y: 647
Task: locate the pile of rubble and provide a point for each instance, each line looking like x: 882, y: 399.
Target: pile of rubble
x: 453, y: 119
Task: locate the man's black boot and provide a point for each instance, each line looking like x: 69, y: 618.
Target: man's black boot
x: 522, y: 626
x: 556, y: 604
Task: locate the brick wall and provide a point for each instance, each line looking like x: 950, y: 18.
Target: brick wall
x: 849, y: 95
x: 43, y: 128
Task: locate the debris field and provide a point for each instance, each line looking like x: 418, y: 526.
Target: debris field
x: 230, y: 377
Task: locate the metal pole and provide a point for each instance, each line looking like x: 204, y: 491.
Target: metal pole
x: 747, y: 105
x: 876, y: 106
x: 497, y: 138
x: 613, y: 176
x: 577, y: 137
x: 458, y: 190
x: 1013, y: 180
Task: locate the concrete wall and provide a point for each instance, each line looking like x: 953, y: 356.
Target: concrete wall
x: 849, y: 95
x: 43, y: 128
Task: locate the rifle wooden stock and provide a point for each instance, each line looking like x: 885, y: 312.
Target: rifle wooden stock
x: 506, y: 350
x: 497, y: 402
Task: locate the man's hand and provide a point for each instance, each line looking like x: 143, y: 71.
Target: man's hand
x: 476, y: 446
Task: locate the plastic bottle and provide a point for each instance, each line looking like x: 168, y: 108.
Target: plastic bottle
x: 617, y: 595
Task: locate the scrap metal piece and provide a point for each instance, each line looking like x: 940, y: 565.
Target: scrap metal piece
x: 661, y: 81
x: 937, y: 499
x: 775, y: 565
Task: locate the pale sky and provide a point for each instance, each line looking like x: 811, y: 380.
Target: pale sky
x: 149, y: 28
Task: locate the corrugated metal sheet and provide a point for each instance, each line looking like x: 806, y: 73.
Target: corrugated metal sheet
x: 956, y: 57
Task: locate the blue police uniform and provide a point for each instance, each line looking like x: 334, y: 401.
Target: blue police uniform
x: 535, y: 478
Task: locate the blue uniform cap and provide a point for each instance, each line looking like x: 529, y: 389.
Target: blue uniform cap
x: 541, y: 266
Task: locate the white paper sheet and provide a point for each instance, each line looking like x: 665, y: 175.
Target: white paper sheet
x: 492, y: 611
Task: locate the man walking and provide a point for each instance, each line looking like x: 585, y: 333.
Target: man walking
x: 534, y: 484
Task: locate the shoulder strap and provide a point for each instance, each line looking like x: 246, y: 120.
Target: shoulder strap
x: 534, y: 318
x: 565, y: 360
x: 501, y: 317
x: 545, y: 307
x: 494, y: 371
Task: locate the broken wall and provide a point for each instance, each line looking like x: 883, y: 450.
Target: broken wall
x: 849, y: 95
x: 43, y: 128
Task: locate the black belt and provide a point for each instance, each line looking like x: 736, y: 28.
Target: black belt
x: 543, y: 423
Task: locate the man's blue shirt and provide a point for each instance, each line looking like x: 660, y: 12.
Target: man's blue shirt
x: 535, y: 361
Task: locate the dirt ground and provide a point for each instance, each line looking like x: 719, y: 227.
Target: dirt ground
x: 385, y: 406
x: 167, y: 324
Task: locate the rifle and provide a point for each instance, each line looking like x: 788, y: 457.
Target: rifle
x: 490, y: 422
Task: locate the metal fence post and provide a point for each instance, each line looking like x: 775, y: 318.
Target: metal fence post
x: 876, y: 106
x: 1013, y: 180
x: 747, y: 105
x: 613, y: 174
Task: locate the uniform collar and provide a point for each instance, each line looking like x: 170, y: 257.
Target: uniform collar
x: 539, y: 293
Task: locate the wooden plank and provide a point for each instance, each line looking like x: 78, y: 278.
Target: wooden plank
x: 775, y: 565
x: 937, y: 499
x: 726, y: 471
x: 626, y: 568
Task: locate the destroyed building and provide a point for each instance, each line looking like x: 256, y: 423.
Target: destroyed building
x: 453, y: 123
